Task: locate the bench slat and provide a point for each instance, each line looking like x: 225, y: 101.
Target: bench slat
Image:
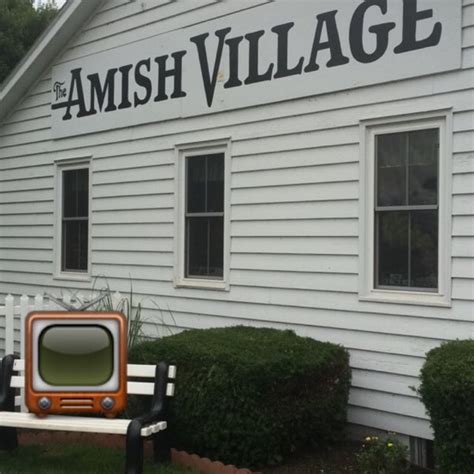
x: 73, y: 423
x: 140, y: 388
x: 141, y: 370
x: 133, y: 370
x: 134, y: 388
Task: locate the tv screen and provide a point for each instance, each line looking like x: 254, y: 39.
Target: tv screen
x: 82, y: 356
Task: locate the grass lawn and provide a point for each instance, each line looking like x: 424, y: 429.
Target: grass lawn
x: 73, y: 458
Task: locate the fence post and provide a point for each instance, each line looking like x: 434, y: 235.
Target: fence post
x: 9, y: 325
x: 24, y: 310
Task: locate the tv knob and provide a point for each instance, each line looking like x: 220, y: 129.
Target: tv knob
x: 44, y: 403
x: 107, y: 403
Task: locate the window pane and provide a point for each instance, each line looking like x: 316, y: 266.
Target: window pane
x: 424, y: 249
x: 215, y: 183
x: 69, y: 194
x: 197, y: 246
x: 391, y: 169
x: 196, y: 184
x: 75, y: 241
x: 82, y: 177
x: 76, y: 193
x: 216, y: 247
x: 205, y: 246
x: 392, y: 240
x: 423, y: 167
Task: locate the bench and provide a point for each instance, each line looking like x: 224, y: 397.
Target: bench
x: 153, y: 423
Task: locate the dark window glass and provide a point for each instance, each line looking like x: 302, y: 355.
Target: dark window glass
x: 393, y: 248
x: 76, y: 193
x: 75, y: 220
x: 391, y: 170
x: 424, y: 249
x: 423, y: 167
x: 198, y: 239
x: 406, y: 214
x: 196, y: 184
x: 205, y: 216
x: 215, y: 184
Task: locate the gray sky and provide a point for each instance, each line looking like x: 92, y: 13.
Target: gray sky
x: 59, y: 3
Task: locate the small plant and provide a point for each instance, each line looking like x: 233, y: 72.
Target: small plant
x: 163, y: 323
x: 125, y: 306
x: 382, y: 456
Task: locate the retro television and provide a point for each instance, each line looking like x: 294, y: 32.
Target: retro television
x: 75, y: 362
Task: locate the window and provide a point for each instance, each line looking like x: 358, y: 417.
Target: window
x: 405, y: 211
x: 75, y: 219
x: 73, y: 234
x: 202, y: 216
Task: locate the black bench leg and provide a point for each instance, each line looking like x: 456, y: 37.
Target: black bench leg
x: 134, y: 449
x: 8, y: 436
x: 161, y: 447
x: 8, y: 439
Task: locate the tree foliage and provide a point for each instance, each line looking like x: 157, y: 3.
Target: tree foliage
x: 20, y: 26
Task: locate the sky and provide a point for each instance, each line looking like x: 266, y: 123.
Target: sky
x: 59, y: 3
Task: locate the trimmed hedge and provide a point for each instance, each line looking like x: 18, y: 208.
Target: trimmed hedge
x: 447, y: 390
x: 251, y: 396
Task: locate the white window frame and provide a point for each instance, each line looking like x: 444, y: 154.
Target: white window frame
x: 441, y: 119
x: 183, y: 151
x: 60, y: 167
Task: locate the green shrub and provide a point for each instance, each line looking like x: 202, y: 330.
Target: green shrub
x: 382, y: 456
x: 250, y: 396
x: 447, y: 390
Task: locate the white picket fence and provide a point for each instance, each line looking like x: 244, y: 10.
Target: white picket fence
x: 12, y: 321
x: 14, y: 311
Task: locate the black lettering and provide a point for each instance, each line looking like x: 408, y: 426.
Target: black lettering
x: 356, y: 32
x: 98, y: 91
x: 333, y: 43
x: 142, y: 81
x: 282, y: 53
x: 254, y: 76
x: 125, y: 71
x: 233, y: 44
x: 208, y: 81
x: 176, y: 73
x: 410, y: 18
x: 76, y: 84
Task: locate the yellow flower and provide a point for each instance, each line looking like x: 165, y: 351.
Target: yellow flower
x: 389, y: 445
x: 368, y: 438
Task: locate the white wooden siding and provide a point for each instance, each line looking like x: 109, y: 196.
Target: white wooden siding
x: 294, y: 212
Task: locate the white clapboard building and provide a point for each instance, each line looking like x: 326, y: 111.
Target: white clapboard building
x: 294, y: 164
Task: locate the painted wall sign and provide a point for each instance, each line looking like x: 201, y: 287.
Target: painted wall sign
x: 274, y: 52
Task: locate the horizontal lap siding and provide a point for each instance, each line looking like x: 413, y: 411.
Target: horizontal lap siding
x: 294, y: 213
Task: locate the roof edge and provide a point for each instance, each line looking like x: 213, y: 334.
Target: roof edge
x: 70, y: 18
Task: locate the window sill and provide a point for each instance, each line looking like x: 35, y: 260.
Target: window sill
x: 73, y: 277
x: 203, y: 284
x: 406, y: 297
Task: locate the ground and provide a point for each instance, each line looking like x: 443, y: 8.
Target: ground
x: 337, y: 459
